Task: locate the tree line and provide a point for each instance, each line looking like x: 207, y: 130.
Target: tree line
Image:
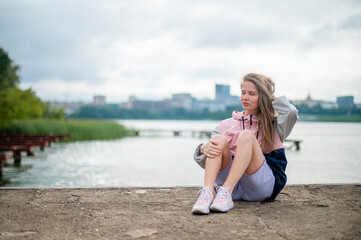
x: 112, y: 111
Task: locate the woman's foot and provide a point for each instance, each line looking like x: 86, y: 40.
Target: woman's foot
x: 223, y: 201
x: 204, y: 201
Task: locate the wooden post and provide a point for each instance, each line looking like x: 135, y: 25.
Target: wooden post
x: 17, y: 157
x: 1, y: 171
x: 297, y: 143
x: 29, y: 152
x: 3, y: 158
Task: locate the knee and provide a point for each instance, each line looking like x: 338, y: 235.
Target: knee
x: 220, y: 139
x: 246, y: 136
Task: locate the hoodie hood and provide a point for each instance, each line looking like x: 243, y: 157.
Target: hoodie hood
x: 248, y: 119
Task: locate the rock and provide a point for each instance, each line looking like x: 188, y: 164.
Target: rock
x: 140, y: 233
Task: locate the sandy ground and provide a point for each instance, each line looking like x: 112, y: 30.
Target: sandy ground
x: 299, y: 212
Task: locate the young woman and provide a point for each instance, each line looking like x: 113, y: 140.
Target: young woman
x: 245, y: 158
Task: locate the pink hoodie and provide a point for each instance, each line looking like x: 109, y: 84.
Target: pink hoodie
x: 232, y: 127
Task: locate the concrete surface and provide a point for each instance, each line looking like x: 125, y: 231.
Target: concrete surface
x: 299, y: 212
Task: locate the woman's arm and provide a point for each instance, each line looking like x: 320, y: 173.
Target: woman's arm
x: 288, y: 115
x: 198, y: 155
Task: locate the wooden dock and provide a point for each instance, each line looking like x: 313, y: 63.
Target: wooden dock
x: 296, y: 143
x: 17, y: 143
x: 173, y: 132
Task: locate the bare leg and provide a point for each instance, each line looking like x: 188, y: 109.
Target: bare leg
x: 248, y: 159
x: 214, y: 165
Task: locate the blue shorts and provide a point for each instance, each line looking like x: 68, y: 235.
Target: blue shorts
x: 255, y: 187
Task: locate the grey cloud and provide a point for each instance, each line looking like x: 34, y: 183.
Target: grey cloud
x: 328, y: 34
x: 352, y: 23
x: 221, y: 73
x: 233, y: 36
x: 51, y: 39
x: 321, y: 36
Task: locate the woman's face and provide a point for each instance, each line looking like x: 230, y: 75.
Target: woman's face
x: 249, y: 97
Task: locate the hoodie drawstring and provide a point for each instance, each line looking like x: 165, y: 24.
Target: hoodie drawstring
x: 250, y: 126
x: 257, y: 131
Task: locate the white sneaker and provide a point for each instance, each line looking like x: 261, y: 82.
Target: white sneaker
x: 223, y: 201
x: 204, y: 201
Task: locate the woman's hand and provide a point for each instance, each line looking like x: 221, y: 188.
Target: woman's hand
x: 211, y: 149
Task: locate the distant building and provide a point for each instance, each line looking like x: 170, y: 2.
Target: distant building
x: 233, y: 101
x: 134, y: 103
x: 309, y: 102
x: 222, y: 92
x: 345, y: 102
x: 129, y: 104
x: 223, y: 95
x: 69, y: 107
x: 211, y: 105
x: 328, y: 105
x: 155, y: 106
x: 99, y: 100
x: 182, y: 100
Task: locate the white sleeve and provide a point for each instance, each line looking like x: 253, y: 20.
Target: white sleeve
x: 287, y: 116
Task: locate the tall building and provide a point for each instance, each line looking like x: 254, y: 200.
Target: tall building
x: 345, y: 102
x: 223, y: 96
x: 99, y: 100
x: 222, y: 92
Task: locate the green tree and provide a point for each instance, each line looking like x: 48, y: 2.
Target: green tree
x: 18, y: 104
x: 14, y: 102
x: 8, y: 71
x: 53, y: 112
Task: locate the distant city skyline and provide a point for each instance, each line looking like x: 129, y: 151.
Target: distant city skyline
x: 220, y: 102
x: 221, y: 94
x: 72, y: 50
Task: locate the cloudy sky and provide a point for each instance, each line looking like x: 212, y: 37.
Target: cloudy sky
x: 72, y: 50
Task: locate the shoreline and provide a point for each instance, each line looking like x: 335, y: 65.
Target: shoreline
x: 165, y: 187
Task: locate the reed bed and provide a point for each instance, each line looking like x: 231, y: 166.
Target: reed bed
x: 79, y: 130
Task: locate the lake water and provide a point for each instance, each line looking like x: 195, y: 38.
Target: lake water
x: 330, y: 153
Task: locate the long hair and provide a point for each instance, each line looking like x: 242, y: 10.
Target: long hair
x: 266, y: 114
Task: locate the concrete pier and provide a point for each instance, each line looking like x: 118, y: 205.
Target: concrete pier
x: 299, y: 212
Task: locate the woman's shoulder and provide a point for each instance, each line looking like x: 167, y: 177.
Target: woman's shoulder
x: 226, y: 122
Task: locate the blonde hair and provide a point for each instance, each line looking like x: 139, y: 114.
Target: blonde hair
x: 266, y: 114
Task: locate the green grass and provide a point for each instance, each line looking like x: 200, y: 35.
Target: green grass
x: 79, y: 129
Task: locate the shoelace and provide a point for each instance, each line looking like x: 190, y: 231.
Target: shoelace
x: 221, y: 193
x: 204, y: 192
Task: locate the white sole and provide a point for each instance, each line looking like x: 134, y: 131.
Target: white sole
x: 215, y: 209
x: 200, y: 212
